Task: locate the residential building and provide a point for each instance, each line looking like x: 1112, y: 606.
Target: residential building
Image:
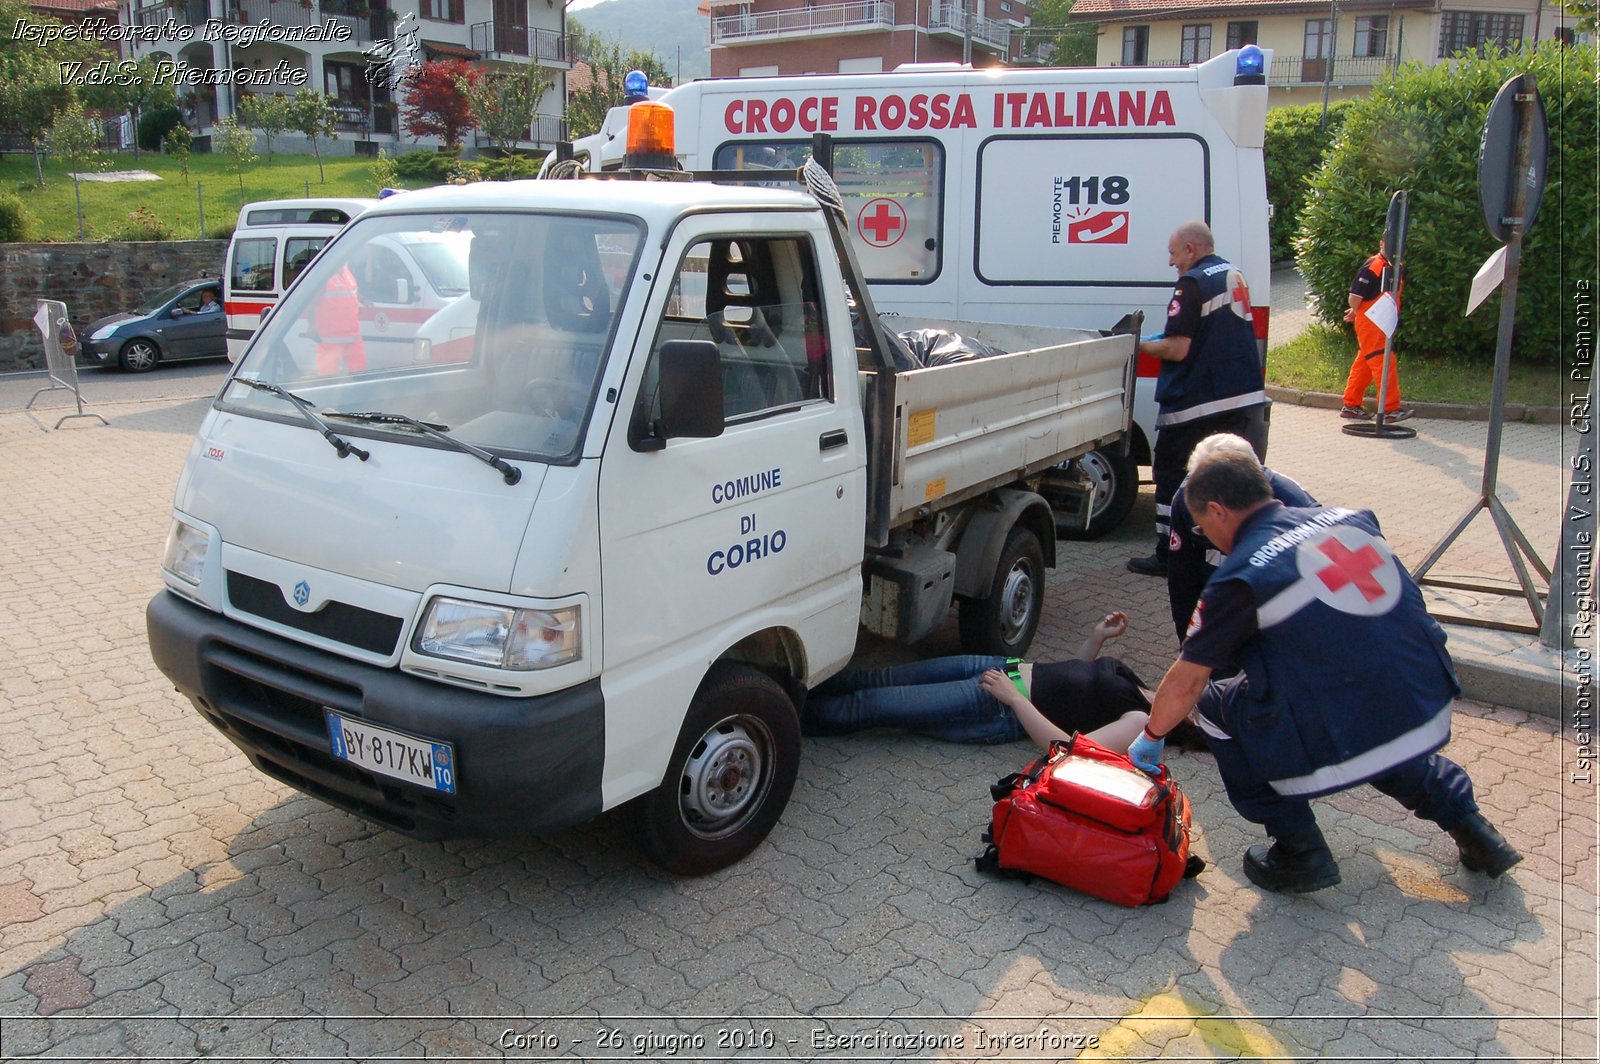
x: 1340, y: 47
x: 278, y: 41
x: 750, y: 38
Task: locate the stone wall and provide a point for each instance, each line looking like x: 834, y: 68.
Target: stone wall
x: 93, y: 280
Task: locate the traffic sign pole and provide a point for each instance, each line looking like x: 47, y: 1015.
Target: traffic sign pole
x: 1526, y: 178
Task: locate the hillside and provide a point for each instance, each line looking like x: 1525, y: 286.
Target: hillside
x: 670, y: 28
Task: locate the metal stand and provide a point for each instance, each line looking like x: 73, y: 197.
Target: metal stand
x: 61, y: 366
x: 1487, y: 499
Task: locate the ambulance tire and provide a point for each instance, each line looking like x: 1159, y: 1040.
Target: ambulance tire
x: 1004, y: 623
x: 730, y: 776
x: 1114, y: 479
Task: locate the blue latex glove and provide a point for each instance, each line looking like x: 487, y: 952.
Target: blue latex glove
x: 1145, y: 752
x: 1152, y: 337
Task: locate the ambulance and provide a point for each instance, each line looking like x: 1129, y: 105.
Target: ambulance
x: 1027, y: 196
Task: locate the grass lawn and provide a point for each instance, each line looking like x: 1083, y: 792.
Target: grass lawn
x: 174, y: 203
x: 1318, y: 360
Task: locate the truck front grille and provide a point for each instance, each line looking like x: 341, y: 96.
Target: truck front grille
x: 368, y: 630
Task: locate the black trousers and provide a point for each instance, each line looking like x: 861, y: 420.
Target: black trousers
x: 1169, y: 463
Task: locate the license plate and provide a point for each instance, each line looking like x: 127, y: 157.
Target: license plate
x: 403, y: 757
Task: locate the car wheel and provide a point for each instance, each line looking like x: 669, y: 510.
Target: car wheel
x: 1113, y: 479
x: 139, y: 356
x: 730, y: 775
x: 1004, y: 623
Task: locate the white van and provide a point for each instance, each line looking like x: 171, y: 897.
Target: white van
x: 272, y: 244
x: 1028, y: 196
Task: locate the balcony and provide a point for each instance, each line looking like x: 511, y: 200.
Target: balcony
x: 544, y: 133
x: 822, y: 21
x: 953, y: 20
x: 549, y: 48
x: 189, y: 13
x: 1290, y: 71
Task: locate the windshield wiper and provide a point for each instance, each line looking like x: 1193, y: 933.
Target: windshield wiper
x: 510, y: 472
x: 308, y: 409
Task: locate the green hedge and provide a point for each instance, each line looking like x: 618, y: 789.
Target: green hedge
x: 1296, y: 142
x: 1420, y: 130
x: 17, y: 223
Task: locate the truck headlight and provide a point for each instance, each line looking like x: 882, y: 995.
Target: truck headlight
x: 501, y: 637
x: 185, y: 556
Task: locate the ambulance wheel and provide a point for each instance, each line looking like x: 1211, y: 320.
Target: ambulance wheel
x: 730, y: 775
x: 1004, y: 623
x: 139, y: 356
x: 1114, y: 479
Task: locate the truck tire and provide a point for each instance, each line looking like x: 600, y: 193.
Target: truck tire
x: 730, y: 775
x: 1114, y: 478
x: 1004, y: 623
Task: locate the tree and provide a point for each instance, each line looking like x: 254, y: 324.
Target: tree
x: 608, y: 65
x: 504, y: 104
x: 1420, y: 130
x: 178, y: 141
x: 435, y: 104
x: 311, y: 114
x: 268, y: 112
x: 1057, y: 41
x: 32, y: 86
x: 74, y: 139
x: 232, y: 139
x: 142, y: 91
x: 383, y: 170
x: 1584, y: 11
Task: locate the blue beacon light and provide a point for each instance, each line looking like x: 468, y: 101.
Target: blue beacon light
x: 1251, y: 67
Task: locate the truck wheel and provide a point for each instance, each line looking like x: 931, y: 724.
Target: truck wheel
x: 1004, y: 623
x: 730, y: 775
x: 1114, y: 478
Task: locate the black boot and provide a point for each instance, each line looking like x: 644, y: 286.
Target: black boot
x: 1294, y: 864
x: 1483, y: 849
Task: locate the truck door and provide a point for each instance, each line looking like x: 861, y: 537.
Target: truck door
x: 705, y: 542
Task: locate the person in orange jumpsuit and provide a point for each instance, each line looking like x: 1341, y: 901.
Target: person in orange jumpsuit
x: 1367, y: 367
x: 338, y: 325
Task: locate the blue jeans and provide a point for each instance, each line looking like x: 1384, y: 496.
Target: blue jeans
x: 939, y: 698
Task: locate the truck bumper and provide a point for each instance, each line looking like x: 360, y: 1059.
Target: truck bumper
x: 523, y: 765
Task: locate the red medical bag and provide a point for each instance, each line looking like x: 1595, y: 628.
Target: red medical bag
x: 1085, y: 817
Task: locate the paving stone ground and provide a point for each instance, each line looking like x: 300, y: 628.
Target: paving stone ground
x: 160, y: 899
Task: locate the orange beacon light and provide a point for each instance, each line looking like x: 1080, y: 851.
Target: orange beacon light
x: 651, y: 137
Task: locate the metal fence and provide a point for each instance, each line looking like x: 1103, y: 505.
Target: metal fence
x: 60, y: 356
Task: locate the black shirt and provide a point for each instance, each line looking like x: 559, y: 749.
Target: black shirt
x: 1367, y: 284
x: 1080, y: 696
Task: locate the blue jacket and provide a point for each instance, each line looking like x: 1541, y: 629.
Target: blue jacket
x: 1347, y: 676
x: 1222, y: 371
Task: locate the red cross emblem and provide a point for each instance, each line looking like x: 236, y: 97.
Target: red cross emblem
x: 1351, y: 567
x: 882, y: 222
x: 1241, y: 294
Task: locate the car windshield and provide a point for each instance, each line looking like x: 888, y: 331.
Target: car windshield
x: 510, y: 365
x: 155, y: 303
x: 445, y: 263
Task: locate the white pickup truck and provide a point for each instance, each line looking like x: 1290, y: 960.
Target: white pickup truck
x: 602, y: 556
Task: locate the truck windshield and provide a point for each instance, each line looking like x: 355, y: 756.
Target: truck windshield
x: 506, y: 358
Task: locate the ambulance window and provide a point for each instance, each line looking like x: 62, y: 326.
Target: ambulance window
x: 379, y: 277
x: 252, y: 265
x: 298, y: 251
x: 893, y: 194
x: 757, y: 300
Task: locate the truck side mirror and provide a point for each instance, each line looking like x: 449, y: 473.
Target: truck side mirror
x: 690, y: 390
x: 407, y: 291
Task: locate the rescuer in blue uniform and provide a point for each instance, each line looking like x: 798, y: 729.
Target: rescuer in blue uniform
x: 1345, y: 678
x: 1211, y: 376
x: 1191, y: 557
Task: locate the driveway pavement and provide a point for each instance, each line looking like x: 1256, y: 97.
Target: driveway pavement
x: 160, y: 899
